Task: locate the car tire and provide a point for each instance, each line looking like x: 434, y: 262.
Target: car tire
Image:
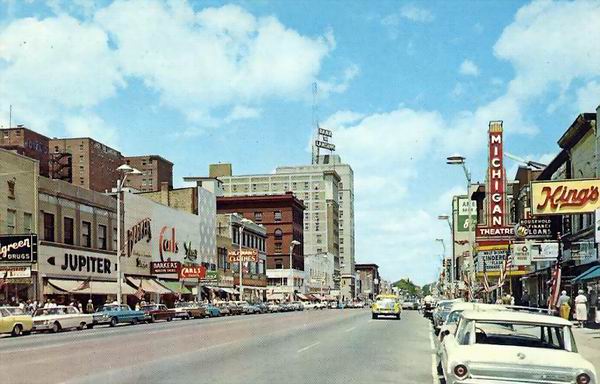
x: 134, y: 321
x: 26, y: 333
x: 81, y: 326
x: 17, y: 330
x: 56, y: 327
x: 169, y: 318
x: 374, y: 316
x: 114, y: 321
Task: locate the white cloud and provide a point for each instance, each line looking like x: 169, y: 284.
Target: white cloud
x: 417, y: 14
x: 55, y: 65
x: 458, y: 90
x: 339, y: 85
x: 240, y: 112
x: 91, y: 125
x: 588, y: 97
x: 468, y: 68
x: 212, y: 58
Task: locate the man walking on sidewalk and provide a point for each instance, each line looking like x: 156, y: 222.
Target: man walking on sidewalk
x: 581, y: 313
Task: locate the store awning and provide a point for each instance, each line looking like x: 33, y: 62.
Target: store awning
x: 230, y: 291
x: 590, y: 274
x: 149, y: 285
x: 95, y: 287
x: 301, y: 296
x: 318, y: 297
x: 176, y: 287
x: 275, y: 296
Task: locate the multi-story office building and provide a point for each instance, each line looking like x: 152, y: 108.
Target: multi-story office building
x: 93, y: 164
x: 28, y: 143
x: 155, y: 171
x: 346, y: 213
x: 318, y: 190
x: 282, y: 217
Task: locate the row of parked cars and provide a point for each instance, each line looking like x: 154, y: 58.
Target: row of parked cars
x: 15, y: 321
x: 489, y: 343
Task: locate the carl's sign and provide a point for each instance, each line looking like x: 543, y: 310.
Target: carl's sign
x: 565, y: 197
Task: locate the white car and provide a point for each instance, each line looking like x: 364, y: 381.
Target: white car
x: 309, y: 305
x: 449, y: 327
x: 59, y: 318
x: 513, y: 347
x: 407, y: 305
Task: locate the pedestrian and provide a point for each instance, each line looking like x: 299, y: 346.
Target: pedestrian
x: 581, y: 308
x: 506, y: 299
x: 90, y: 306
x: 525, y: 299
x: 564, y: 305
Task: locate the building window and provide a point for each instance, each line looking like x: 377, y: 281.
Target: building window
x: 86, y: 229
x: 278, y: 234
x: 102, y: 236
x: 48, y: 226
x: 27, y: 222
x: 11, y: 189
x: 277, y: 215
x: 68, y: 230
x: 342, y: 240
x: 277, y: 247
x: 11, y: 221
x: 258, y: 216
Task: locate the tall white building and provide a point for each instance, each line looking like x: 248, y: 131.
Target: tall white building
x: 345, y: 198
x: 318, y: 190
x: 327, y: 190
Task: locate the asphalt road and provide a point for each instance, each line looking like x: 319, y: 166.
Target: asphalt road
x: 330, y: 346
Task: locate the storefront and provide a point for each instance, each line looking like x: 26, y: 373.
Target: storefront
x: 76, y: 274
x: 18, y: 278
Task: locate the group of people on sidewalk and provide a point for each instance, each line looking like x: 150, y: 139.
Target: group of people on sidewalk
x: 581, y: 310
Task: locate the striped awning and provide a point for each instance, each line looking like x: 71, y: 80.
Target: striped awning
x: 60, y: 286
x: 148, y: 285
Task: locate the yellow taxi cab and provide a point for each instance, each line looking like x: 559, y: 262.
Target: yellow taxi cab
x: 386, y: 305
x: 14, y: 321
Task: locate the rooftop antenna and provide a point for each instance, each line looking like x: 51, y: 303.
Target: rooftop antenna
x: 10, y: 116
x: 315, y: 123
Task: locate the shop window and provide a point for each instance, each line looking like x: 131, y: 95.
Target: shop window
x: 48, y: 226
x: 11, y: 221
x: 27, y: 222
x: 102, y: 236
x: 277, y: 215
x: 278, y: 234
x: 86, y: 231
x: 68, y: 230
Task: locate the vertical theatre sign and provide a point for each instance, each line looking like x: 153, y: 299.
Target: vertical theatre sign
x: 496, y: 177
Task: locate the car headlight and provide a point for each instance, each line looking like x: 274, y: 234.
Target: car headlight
x: 461, y: 371
x: 583, y: 378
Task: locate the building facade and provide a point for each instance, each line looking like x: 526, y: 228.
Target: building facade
x: 369, y: 280
x: 28, y: 143
x: 93, y: 164
x: 316, y: 189
x: 282, y: 217
x: 155, y: 171
x: 18, y: 226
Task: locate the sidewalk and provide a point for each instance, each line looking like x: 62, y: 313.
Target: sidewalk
x: 588, y: 344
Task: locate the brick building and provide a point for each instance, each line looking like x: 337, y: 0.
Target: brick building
x: 93, y: 164
x: 369, y: 280
x: 28, y: 143
x: 155, y: 171
x: 282, y: 216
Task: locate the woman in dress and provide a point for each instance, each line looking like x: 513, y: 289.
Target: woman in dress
x: 581, y: 312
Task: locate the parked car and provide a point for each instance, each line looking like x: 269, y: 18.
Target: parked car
x: 262, y: 307
x: 386, y: 305
x: 14, y: 321
x: 272, y: 307
x: 333, y: 305
x: 188, y: 309
x: 155, y: 312
x: 118, y: 314
x: 247, y: 308
x: 458, y: 308
x: 211, y: 310
x: 309, y: 305
x: 297, y: 305
x: 508, y: 346
x: 59, y: 318
x: 441, y: 312
x: 235, y: 309
x: 321, y: 305
x: 407, y: 305
x: 223, y: 308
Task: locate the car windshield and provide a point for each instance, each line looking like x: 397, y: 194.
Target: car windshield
x: 522, y: 334
x: 15, y: 311
x: 453, y: 317
x: 386, y: 302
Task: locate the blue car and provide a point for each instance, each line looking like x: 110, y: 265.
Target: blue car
x: 114, y: 314
x: 211, y: 311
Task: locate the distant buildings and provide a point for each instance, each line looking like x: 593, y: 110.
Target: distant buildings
x: 369, y: 280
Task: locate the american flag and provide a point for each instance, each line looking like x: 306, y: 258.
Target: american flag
x: 506, y: 266
x: 467, y: 281
x: 555, y: 282
x: 486, y: 282
x: 84, y: 284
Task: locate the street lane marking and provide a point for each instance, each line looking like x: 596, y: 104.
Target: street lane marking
x: 350, y: 329
x: 434, y: 374
x: 308, y: 347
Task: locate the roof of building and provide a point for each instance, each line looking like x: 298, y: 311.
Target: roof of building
x: 366, y: 266
x: 559, y: 160
x: 257, y: 199
x: 580, y: 126
x: 149, y: 156
x: 517, y: 317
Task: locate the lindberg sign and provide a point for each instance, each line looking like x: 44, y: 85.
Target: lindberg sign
x: 565, y: 196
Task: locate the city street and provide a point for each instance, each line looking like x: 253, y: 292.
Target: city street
x: 332, y: 346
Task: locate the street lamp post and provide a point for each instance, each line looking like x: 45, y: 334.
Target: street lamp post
x: 243, y: 223
x: 291, y: 279
x: 446, y: 218
x: 461, y: 160
x: 125, y: 170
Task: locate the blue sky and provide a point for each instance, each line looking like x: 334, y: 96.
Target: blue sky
x: 402, y: 84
